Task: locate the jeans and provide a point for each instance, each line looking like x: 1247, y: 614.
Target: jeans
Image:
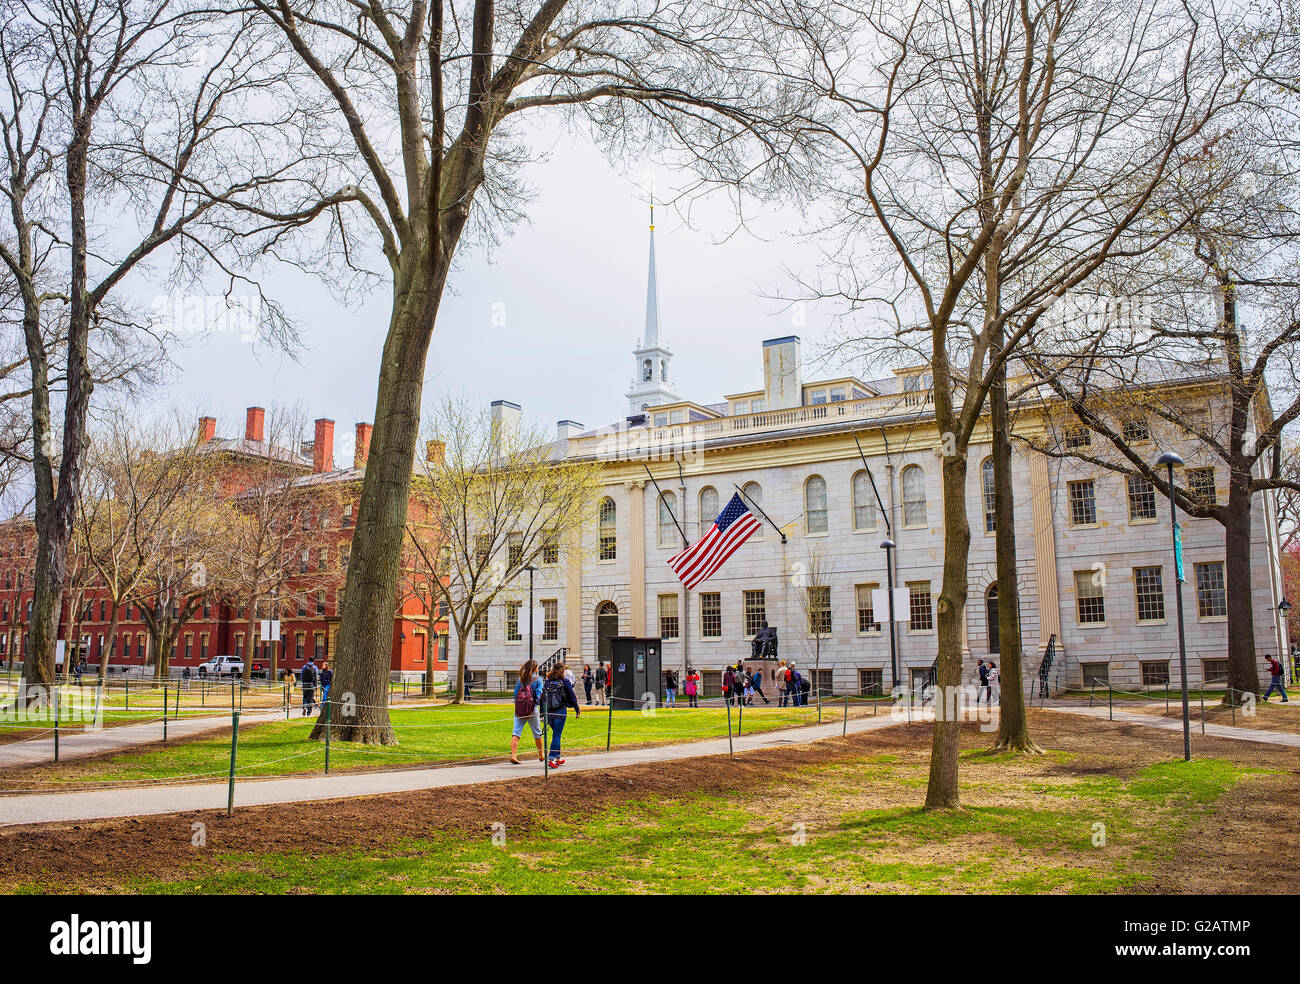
x: 670, y: 697
x: 556, y: 719
x: 308, y: 699
x: 587, y: 686
x: 1276, y: 681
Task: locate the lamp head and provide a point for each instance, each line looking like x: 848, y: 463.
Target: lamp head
x: 886, y: 544
x: 1284, y: 605
x: 1169, y: 458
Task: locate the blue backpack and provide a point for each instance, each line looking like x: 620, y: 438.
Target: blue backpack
x: 553, y: 695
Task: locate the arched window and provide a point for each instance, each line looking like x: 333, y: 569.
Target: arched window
x: 991, y: 614
x: 608, y: 529
x: 668, y: 536
x: 647, y: 370
x: 913, y: 496
x: 754, y: 500
x: 663, y: 370
x: 864, y: 503
x: 990, y: 496
x: 708, y: 508
x: 814, y: 504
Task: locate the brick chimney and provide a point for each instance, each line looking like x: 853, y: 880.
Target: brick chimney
x: 322, y: 447
x: 362, y: 451
x: 207, y: 429
x: 434, y: 451
x: 254, y: 424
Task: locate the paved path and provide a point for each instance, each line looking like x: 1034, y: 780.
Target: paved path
x: 1176, y: 724
x: 103, y: 803
x: 79, y: 744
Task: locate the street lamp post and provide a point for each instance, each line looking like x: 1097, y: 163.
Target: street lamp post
x: 1169, y: 459
x: 530, y: 570
x: 888, y: 547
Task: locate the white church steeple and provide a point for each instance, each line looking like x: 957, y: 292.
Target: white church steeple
x: 650, y: 381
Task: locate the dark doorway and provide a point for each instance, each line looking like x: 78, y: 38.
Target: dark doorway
x: 991, y: 614
x: 606, y: 629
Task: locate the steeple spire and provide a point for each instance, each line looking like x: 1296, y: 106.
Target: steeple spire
x: 651, y: 338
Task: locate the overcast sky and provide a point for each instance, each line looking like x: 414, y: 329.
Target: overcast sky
x: 570, y: 286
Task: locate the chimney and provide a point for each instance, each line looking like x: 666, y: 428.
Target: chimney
x: 433, y: 452
x: 253, y: 424
x: 505, y: 423
x: 782, y: 373
x: 565, y: 429
x: 362, y: 451
x: 207, y: 429
x: 322, y: 447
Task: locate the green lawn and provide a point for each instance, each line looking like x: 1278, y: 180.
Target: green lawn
x: 433, y: 735
x: 748, y: 841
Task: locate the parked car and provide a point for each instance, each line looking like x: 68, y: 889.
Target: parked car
x: 219, y: 666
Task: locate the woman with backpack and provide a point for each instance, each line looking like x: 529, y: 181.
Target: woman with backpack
x: 557, y: 698
x: 587, y: 679
x: 728, y: 684
x: 528, y: 700
x: 692, y: 687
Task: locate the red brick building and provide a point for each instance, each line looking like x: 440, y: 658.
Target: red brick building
x: 310, y: 621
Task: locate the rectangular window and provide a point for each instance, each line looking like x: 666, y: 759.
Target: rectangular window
x: 320, y: 602
x: 1095, y: 673
x: 345, y: 555
x: 871, y: 683
x: 347, y: 515
x: 1077, y: 437
x: 515, y: 548
x: 755, y: 612
x: 711, y: 615
x: 1090, y: 597
x: 1136, y: 431
x: 300, y: 646
x: 322, y: 558
x: 1083, y: 503
x: 1200, y: 485
x: 1214, y: 671
x: 1148, y: 584
x: 482, y: 546
x: 512, y: 621
x: 320, y: 645
x: 1155, y: 673
x: 1211, y: 594
x: 550, y: 620
x: 668, y: 621
x: 239, y: 645
x: 203, y: 647
x: 189, y: 644
x: 302, y: 561
x: 481, y: 628
x: 550, y: 549
x: 919, y: 607
x: 868, y: 624
x: 819, y: 609
x: 1141, y: 498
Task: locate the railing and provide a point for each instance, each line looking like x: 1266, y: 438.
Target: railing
x: 623, y: 441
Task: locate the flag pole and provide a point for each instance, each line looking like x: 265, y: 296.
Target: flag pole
x: 885, y: 512
x: 779, y: 532
x: 685, y: 540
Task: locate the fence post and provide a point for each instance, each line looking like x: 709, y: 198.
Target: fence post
x: 740, y: 716
x: 1110, y: 700
x: 234, y: 747
x: 165, y: 701
x: 609, y: 727
x: 546, y: 751
x: 56, y: 722
x: 730, y: 744
x: 178, y: 702
x: 1233, y: 690
x: 327, y: 737
x: 846, y: 717
x: 128, y: 691
x: 1202, y: 709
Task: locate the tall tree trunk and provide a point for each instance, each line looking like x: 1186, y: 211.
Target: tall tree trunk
x: 430, y: 640
x: 1243, y: 672
x: 1013, y: 723
x: 462, y: 641
x: 112, y: 644
x: 942, y: 793
x: 250, y: 631
x: 365, y: 639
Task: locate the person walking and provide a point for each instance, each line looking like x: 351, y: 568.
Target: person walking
x: 326, y: 678
x: 692, y: 687
x: 307, y: 677
x: 728, y: 684
x: 984, y: 680
x: 782, y: 677
x: 600, y: 684
x: 757, y: 683
x: 557, y: 698
x: 609, y: 684
x: 749, y: 685
x: 670, y: 689
x: 528, y: 702
x: 995, y: 679
x: 1275, y: 673
x: 587, y: 679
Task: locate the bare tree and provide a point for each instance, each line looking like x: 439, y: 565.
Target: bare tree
x: 812, y: 579
x: 144, y: 110
x: 434, y: 98
x: 1004, y: 152
x: 495, y: 503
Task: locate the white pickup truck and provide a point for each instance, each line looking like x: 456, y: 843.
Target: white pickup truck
x: 220, y: 666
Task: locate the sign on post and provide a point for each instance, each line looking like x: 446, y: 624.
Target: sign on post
x: 270, y: 630
x: 880, y: 604
x: 1178, y: 552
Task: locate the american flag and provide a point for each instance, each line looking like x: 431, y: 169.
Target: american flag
x: 698, y: 562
